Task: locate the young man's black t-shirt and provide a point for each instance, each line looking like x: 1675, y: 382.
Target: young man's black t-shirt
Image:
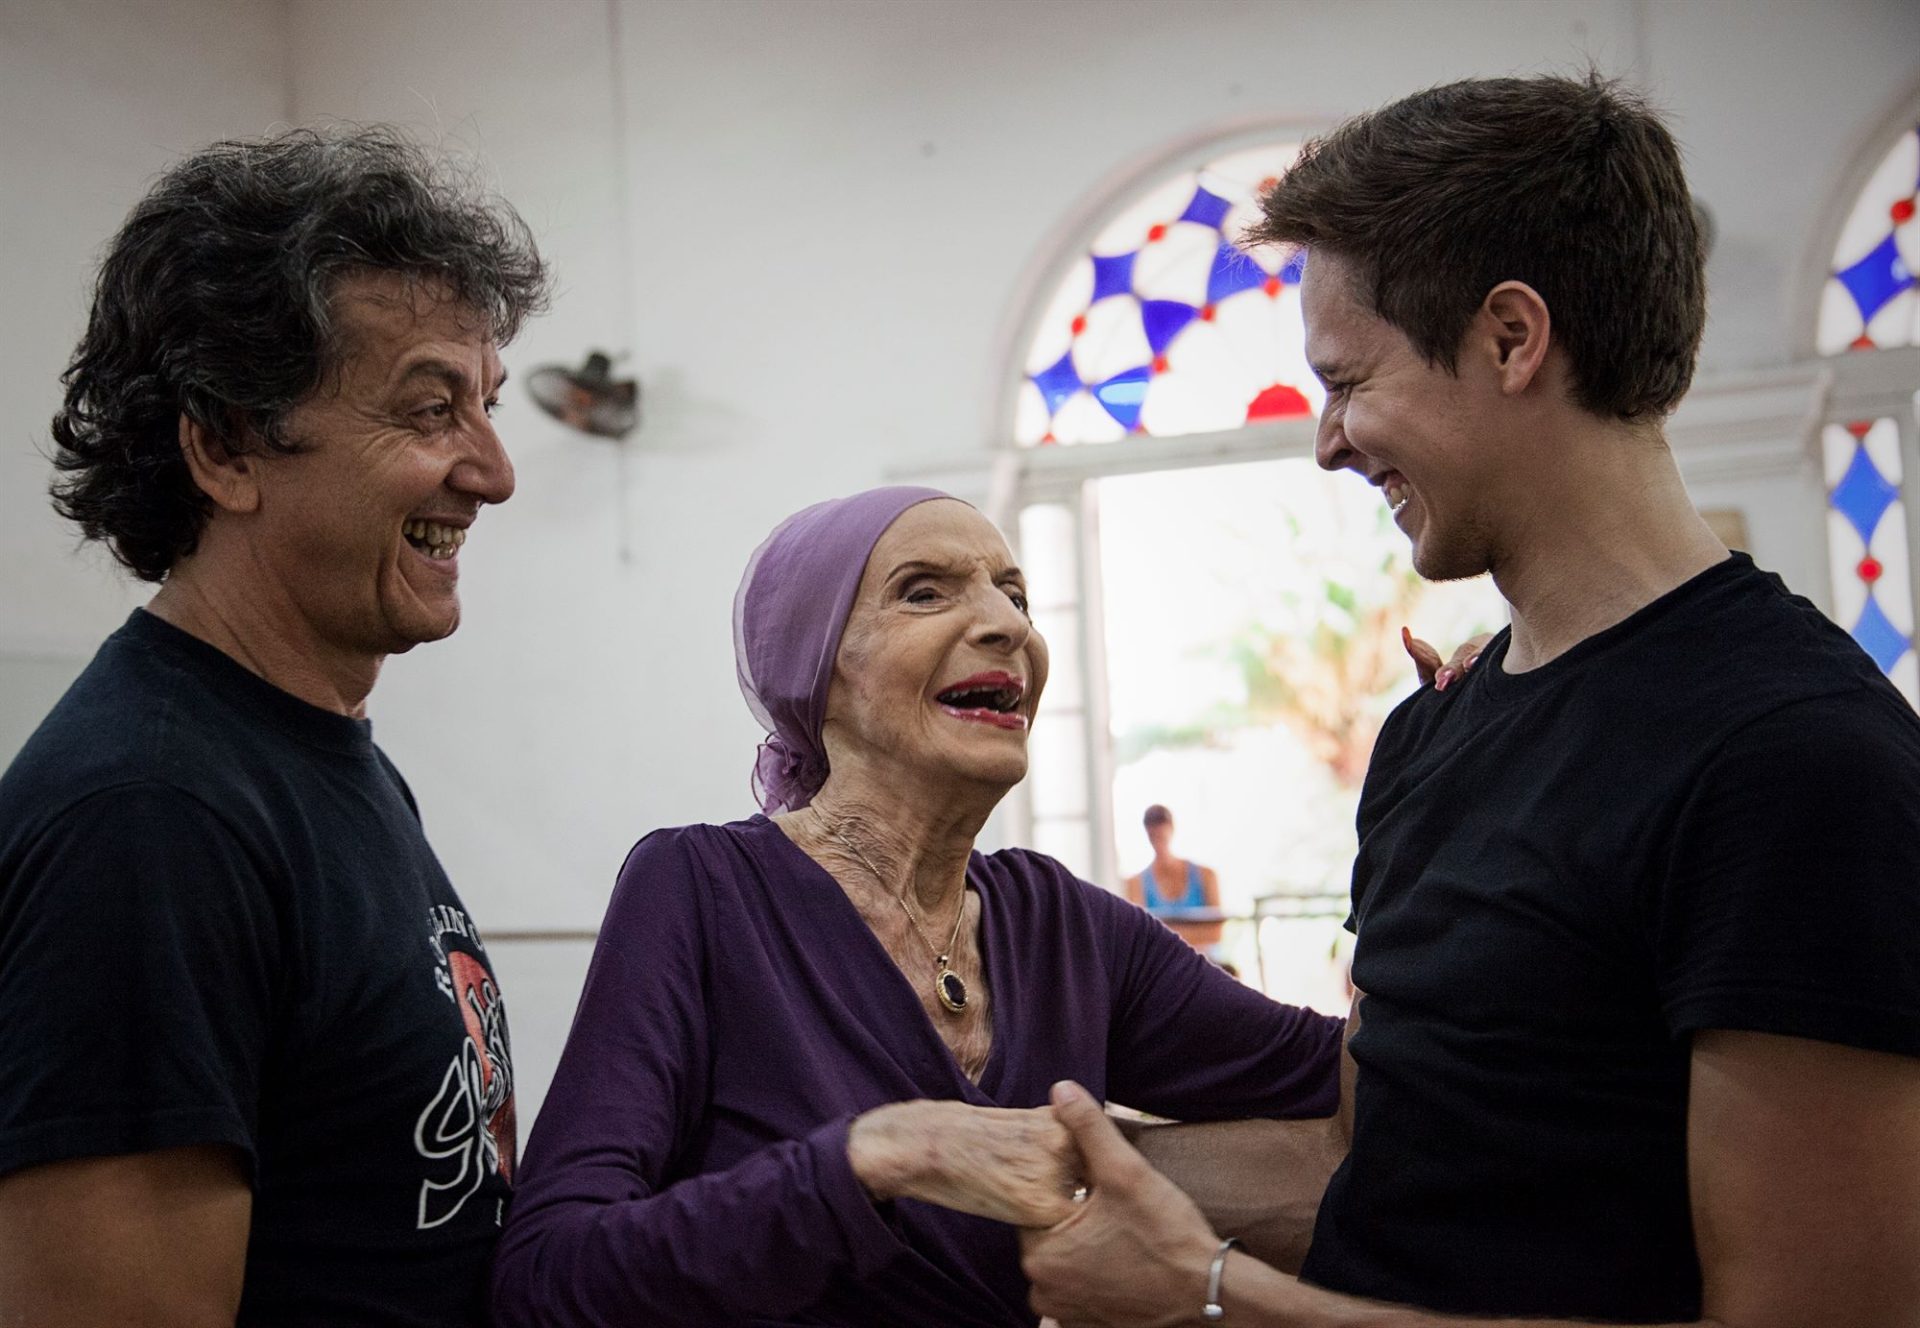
x: 220, y: 924
x: 1705, y: 817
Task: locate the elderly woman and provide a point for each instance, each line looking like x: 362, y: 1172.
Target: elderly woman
x: 810, y: 1065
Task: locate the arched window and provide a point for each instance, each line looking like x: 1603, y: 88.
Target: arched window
x: 1869, y: 300
x: 1869, y: 303
x: 1166, y: 326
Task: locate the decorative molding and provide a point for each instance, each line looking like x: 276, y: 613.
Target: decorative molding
x: 1735, y: 425
x: 1870, y: 383
x: 1750, y: 424
x: 1761, y: 417
x: 1768, y: 422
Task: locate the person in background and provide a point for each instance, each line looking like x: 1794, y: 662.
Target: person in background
x: 1637, y: 1037
x: 1178, y: 891
x: 254, y: 1064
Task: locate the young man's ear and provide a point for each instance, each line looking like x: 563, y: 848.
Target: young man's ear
x: 230, y: 479
x: 1516, y: 330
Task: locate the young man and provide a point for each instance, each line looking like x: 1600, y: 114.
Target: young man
x: 253, y: 1061
x: 1636, y: 898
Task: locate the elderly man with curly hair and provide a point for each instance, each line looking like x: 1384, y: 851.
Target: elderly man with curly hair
x: 253, y: 1061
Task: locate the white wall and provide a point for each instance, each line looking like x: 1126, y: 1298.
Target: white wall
x: 94, y: 100
x: 814, y: 228
x: 1769, y: 98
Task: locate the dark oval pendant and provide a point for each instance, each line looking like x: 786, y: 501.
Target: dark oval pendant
x: 951, y: 990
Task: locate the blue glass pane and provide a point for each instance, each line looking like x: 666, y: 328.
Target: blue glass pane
x: 1057, y: 382
x: 1877, y: 278
x: 1123, y: 393
x: 1163, y: 320
x: 1862, y: 495
x: 1879, y: 637
x: 1290, y: 274
x: 1232, y: 272
x: 1207, y: 209
x: 1111, y: 276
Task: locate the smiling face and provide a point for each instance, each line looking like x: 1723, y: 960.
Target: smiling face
x: 362, y: 529
x: 1420, y: 434
x: 940, y: 668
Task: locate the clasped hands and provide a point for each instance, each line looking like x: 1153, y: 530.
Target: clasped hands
x: 1085, y: 1200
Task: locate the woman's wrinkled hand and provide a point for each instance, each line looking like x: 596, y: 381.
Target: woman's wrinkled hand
x: 1426, y: 660
x: 1018, y: 1167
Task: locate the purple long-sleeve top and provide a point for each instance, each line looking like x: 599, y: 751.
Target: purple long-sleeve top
x: 690, y: 1163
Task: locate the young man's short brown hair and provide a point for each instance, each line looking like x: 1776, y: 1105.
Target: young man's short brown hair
x: 1570, y: 185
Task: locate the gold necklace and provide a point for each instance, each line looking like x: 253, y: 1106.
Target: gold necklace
x: 948, y: 986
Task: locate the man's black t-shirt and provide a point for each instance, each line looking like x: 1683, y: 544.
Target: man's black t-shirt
x: 1705, y: 817
x: 220, y: 923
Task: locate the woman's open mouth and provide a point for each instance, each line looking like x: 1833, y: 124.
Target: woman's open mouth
x: 987, y: 698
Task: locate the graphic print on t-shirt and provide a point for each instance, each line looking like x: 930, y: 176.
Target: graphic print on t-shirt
x: 467, y: 1131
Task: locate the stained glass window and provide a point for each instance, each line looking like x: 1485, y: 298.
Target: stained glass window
x: 1867, y: 544
x: 1166, y: 326
x: 1869, y: 300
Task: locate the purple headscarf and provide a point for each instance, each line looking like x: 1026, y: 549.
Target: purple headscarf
x: 788, y: 616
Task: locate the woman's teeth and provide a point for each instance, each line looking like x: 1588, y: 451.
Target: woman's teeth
x: 1398, y: 496
x: 433, y: 539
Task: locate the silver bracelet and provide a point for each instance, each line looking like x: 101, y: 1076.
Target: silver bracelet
x: 1213, y: 1311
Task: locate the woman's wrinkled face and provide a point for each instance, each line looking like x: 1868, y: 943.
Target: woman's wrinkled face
x: 940, y: 668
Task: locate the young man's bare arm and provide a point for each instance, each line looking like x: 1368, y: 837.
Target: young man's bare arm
x: 1804, y: 1160
x: 1260, y: 1181
x: 157, y: 1240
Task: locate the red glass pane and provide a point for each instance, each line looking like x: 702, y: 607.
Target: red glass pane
x: 1278, y: 402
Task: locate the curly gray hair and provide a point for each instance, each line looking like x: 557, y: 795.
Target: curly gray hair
x: 214, y: 301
